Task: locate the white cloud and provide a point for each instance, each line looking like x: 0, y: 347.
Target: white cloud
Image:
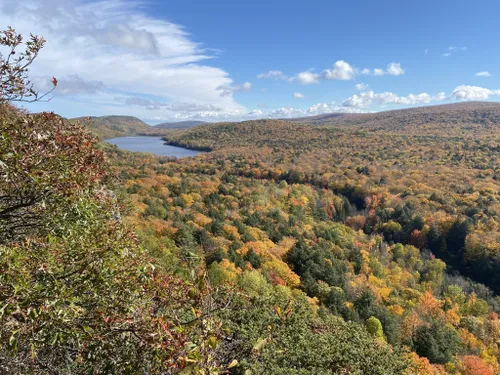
x: 111, y: 57
x: 122, y: 35
x: 305, y: 78
x: 316, y: 109
x: 175, y: 106
x: 483, y: 74
x: 440, y: 97
x: 116, y: 48
x: 256, y: 113
x: 298, y: 95
x: 247, y: 86
x: 393, y: 69
x: 341, y: 71
x: 366, y: 99
x: 361, y: 86
x: 453, y: 49
x: 320, y: 108
x: 272, y: 74
x: 464, y: 92
x: 363, y: 100
x: 358, y: 103
x: 228, y: 90
x: 72, y: 85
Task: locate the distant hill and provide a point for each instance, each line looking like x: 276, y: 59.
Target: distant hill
x: 260, y: 133
x: 179, y: 125
x: 473, y: 119
x: 469, y: 118
x: 319, y: 119
x: 439, y: 119
x: 114, y: 126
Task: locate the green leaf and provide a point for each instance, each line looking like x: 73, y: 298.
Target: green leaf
x: 212, y: 342
x: 260, y: 344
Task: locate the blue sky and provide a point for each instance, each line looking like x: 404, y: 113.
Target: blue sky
x: 231, y: 60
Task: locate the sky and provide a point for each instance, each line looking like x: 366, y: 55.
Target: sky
x: 228, y: 60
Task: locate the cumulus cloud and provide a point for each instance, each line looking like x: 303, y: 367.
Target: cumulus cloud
x: 305, y: 78
x: 366, y: 99
x: 464, y: 92
x: 393, y: 69
x: 341, y: 71
x: 483, y: 74
x: 272, y: 74
x: 116, y: 48
x: 440, y: 97
x: 298, y: 95
x: 256, y: 113
x: 316, y: 109
x: 361, y: 86
x: 286, y: 112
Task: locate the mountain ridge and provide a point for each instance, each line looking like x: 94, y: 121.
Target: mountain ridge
x: 469, y: 112
x: 112, y: 126
x: 179, y: 125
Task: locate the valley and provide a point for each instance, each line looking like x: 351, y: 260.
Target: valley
x: 224, y: 217
x: 367, y: 223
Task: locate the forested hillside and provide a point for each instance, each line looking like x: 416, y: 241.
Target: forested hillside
x: 283, y: 135
x: 450, y: 183
x: 450, y: 119
x: 394, y: 231
x: 114, y: 126
x: 288, y: 249
x: 179, y: 125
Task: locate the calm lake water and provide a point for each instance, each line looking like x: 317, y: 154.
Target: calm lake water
x: 154, y: 145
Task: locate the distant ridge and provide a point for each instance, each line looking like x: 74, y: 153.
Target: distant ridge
x: 472, y: 119
x: 438, y: 119
x: 179, y: 125
x: 114, y: 126
x: 467, y: 115
x: 255, y: 133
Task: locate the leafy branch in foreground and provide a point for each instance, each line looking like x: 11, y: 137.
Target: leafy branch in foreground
x: 43, y: 161
x: 78, y: 294
x: 14, y: 67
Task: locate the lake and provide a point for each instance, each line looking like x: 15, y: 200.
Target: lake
x: 154, y: 145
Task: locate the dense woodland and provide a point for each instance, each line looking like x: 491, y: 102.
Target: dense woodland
x: 113, y: 126
x: 362, y: 241
x: 290, y: 248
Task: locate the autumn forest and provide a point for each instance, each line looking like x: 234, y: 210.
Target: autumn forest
x: 360, y: 244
